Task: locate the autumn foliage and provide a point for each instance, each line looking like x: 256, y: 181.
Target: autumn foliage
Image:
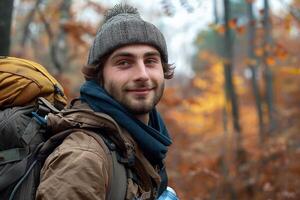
x: 205, y: 161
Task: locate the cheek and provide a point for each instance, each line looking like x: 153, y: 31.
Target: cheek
x: 113, y: 81
x: 108, y: 75
x: 106, y: 79
x: 159, y: 75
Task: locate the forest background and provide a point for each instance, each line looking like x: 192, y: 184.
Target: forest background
x: 234, y: 117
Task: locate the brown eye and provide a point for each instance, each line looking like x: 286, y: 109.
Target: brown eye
x: 151, y: 61
x: 123, y: 63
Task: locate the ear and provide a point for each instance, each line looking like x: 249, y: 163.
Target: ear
x: 89, y: 71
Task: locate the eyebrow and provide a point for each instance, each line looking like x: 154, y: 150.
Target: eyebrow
x: 152, y: 53
x: 127, y: 54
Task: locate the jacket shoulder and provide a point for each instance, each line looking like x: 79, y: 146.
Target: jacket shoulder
x: 78, y: 168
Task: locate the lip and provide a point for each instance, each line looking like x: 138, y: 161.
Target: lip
x: 140, y: 91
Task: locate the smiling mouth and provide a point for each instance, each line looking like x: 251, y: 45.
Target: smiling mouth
x: 140, y: 91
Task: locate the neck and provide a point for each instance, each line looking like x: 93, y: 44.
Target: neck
x: 143, y: 118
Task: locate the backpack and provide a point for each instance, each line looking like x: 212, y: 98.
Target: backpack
x: 22, y: 81
x: 28, y: 93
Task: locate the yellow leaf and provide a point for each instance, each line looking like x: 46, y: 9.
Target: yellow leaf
x: 213, y: 25
x: 288, y: 22
x: 251, y: 61
x: 292, y: 71
x: 199, y: 83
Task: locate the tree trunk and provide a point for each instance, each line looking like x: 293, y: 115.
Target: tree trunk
x: 58, y: 53
x: 228, y: 66
x: 267, y: 72
x: 231, y: 96
x: 6, y: 9
x: 63, y: 50
x: 253, y: 67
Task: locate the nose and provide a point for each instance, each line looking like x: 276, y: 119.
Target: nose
x: 141, y: 72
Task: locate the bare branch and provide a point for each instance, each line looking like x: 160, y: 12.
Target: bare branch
x: 53, y: 49
x: 28, y: 21
x: 293, y: 11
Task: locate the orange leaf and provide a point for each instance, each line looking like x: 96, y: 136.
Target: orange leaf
x: 220, y: 29
x: 204, y: 55
x: 270, y: 61
x: 233, y: 23
x: 282, y: 55
x: 280, y: 52
x: 241, y: 29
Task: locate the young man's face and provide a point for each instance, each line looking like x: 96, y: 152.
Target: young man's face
x: 133, y: 75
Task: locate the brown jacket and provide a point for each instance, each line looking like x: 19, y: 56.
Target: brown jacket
x: 80, y: 168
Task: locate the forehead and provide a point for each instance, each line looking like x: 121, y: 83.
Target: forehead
x: 135, y: 50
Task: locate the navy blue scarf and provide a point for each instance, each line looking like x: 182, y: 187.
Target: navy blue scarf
x: 153, y: 139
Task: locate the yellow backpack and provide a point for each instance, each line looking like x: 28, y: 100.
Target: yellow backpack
x: 23, y: 81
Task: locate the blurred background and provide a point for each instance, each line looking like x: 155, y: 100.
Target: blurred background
x: 233, y: 107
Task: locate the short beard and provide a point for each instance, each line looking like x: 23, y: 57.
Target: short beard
x: 146, y: 108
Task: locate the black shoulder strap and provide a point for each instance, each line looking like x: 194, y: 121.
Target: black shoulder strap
x: 118, y: 180
x: 13, y: 174
x: 118, y: 175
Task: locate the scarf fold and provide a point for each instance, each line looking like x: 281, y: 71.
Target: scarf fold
x: 153, y: 139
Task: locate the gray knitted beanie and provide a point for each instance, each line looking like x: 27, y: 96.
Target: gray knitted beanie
x: 123, y: 25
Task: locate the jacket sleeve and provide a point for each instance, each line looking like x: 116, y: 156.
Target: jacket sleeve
x: 77, y: 169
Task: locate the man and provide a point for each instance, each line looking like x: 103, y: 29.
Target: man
x: 127, y: 65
